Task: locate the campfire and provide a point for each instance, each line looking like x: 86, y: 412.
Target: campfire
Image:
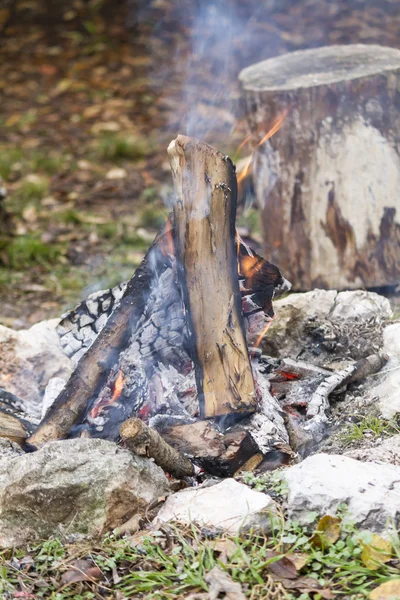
x: 169, y: 363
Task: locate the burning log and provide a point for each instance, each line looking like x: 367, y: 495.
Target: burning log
x: 94, y: 366
x: 335, y: 215
x: 145, y: 441
x: 219, y: 454
x: 204, y: 215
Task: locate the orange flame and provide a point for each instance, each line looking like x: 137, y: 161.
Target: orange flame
x: 167, y: 245
x: 262, y: 334
x: 118, y: 387
x: 276, y: 125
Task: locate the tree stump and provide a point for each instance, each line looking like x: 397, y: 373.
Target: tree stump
x: 328, y: 183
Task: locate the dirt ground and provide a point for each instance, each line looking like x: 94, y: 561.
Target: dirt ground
x: 91, y: 92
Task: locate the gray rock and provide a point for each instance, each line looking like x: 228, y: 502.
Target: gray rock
x: 28, y: 359
x: 229, y: 506
x: 387, y: 387
x: 387, y: 451
x: 324, y: 482
x: 9, y: 449
x: 80, y: 486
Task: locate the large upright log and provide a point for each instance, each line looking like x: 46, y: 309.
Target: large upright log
x: 204, y: 217
x: 328, y: 183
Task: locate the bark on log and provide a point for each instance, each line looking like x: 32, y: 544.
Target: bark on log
x: 328, y: 182
x: 145, y: 441
x: 94, y: 366
x: 204, y: 217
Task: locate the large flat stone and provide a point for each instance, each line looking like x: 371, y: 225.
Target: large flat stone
x: 229, y: 506
x: 80, y: 486
x: 324, y: 482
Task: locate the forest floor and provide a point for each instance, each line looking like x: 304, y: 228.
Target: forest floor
x: 91, y: 94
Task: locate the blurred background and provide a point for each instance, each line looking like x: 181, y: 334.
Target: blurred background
x: 91, y: 93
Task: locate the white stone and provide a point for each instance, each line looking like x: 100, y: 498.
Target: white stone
x: 70, y: 487
x: 323, y: 482
x: 53, y: 389
x: 293, y: 315
x: 360, y: 305
x: 29, y: 359
x: 387, y: 383
x: 229, y: 506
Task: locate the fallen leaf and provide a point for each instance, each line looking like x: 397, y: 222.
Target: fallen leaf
x: 226, y: 548
x: 220, y: 582
x: 81, y: 570
x: 307, y: 585
x: 299, y: 559
x: 327, y: 532
x: 390, y: 590
x: 376, y: 552
x: 283, y: 567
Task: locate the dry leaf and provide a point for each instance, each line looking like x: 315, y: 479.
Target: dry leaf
x: 327, y: 532
x: 375, y: 553
x: 226, y: 548
x: 390, y: 590
x: 283, y: 567
x: 299, y: 559
x: 220, y: 582
x: 81, y: 570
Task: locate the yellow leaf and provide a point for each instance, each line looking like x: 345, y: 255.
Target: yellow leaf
x: 327, y: 532
x: 390, y: 590
x: 299, y: 559
x: 377, y: 552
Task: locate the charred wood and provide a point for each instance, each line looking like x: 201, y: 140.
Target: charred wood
x: 356, y: 372
x: 93, y: 367
x: 219, y: 454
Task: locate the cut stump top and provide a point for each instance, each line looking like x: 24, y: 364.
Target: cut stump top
x: 319, y: 66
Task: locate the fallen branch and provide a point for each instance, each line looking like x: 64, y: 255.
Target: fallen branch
x: 145, y: 441
x: 319, y: 402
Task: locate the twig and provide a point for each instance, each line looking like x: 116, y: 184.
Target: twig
x: 145, y: 441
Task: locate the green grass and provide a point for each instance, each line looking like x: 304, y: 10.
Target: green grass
x: 117, y: 146
x: 26, y: 251
x: 16, y: 162
x: 371, y: 426
x: 174, y: 562
x: 9, y: 157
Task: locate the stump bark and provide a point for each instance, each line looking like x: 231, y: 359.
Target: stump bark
x: 328, y: 183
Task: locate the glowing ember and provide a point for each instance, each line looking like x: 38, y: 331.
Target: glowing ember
x: 276, y: 125
x: 118, y: 387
